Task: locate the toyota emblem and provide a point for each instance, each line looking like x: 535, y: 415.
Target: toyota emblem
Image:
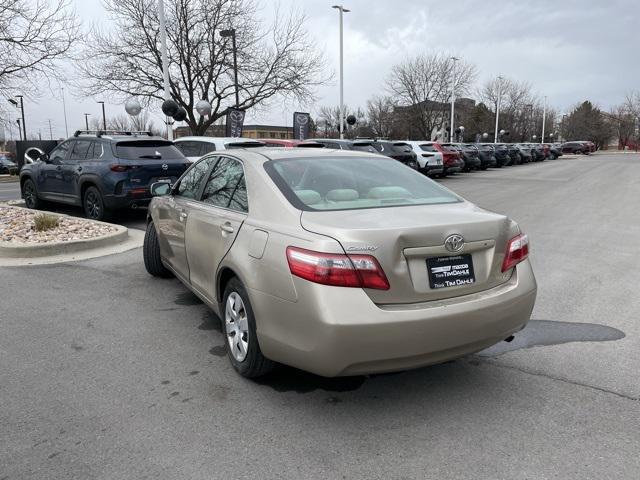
x: 165, y: 166
x: 454, y: 243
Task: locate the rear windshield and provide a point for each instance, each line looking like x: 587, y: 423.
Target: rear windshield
x: 147, y: 150
x: 348, y: 183
x: 428, y: 148
x: 363, y: 147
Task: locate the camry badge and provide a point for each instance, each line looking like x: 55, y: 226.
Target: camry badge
x: 362, y: 248
x: 454, y: 243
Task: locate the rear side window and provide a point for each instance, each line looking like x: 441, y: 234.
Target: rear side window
x: 147, y: 150
x: 96, y: 151
x: 80, y: 149
x: 352, y: 183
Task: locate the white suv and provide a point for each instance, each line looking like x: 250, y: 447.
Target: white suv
x: 429, y: 158
x: 195, y: 147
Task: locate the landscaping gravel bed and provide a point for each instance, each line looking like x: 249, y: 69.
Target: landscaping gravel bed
x: 17, y: 226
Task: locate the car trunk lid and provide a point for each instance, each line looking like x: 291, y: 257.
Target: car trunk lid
x: 403, y: 239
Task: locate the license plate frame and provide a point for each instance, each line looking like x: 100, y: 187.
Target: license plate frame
x: 450, y: 271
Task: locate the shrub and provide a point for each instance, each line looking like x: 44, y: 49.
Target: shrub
x: 43, y: 222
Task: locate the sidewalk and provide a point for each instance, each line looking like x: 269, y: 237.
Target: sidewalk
x: 9, y: 178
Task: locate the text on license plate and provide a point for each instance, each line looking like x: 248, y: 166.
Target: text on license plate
x: 450, y: 271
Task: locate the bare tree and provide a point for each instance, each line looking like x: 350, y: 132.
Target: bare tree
x: 328, y: 121
x: 34, y: 36
x: 422, y: 85
x: 380, y: 115
x: 280, y: 60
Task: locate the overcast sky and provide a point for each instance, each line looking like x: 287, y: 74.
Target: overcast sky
x: 569, y: 50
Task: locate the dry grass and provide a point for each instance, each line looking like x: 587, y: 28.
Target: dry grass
x: 43, y: 222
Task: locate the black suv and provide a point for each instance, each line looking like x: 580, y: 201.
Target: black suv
x: 102, y: 171
x: 397, y: 150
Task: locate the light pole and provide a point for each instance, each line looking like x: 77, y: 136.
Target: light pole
x: 495, y: 138
x: 19, y: 128
x: 64, y: 109
x: 50, y: 130
x: 544, y: 117
x: 86, y: 120
x: 232, y: 33
x: 104, y: 116
x: 453, y: 96
x: 165, y: 61
x: 342, y: 11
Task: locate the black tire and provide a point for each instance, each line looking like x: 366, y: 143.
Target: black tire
x: 30, y: 195
x: 578, y: 152
x: 254, y: 364
x: 94, y: 205
x: 151, y: 254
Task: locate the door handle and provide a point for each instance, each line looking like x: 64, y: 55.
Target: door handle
x: 227, y: 227
x: 59, y: 167
x: 79, y: 169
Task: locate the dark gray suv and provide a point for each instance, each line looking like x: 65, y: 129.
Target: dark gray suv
x: 102, y: 171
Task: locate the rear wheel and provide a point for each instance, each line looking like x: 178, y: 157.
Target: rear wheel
x: 151, y: 254
x: 30, y: 194
x: 243, y: 349
x: 93, y: 204
x: 578, y: 152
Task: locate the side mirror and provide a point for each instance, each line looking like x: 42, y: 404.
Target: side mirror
x: 160, y: 189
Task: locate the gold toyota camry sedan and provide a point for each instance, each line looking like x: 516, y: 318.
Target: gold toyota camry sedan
x: 338, y: 262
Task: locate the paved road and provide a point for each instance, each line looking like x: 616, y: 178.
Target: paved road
x: 107, y: 373
x: 9, y: 190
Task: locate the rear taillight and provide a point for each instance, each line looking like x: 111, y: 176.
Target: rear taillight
x: 359, y: 271
x: 122, y: 168
x: 517, y: 251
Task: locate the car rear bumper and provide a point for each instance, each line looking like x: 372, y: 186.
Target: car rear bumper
x: 432, y: 169
x: 127, y: 200
x: 333, y: 331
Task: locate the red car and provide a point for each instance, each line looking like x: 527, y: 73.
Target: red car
x: 451, y: 159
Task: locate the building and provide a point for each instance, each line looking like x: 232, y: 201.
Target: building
x: 249, y: 131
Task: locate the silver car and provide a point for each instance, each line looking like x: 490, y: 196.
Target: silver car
x: 338, y: 262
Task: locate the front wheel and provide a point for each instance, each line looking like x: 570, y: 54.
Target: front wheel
x: 151, y: 254
x: 30, y: 194
x: 243, y: 349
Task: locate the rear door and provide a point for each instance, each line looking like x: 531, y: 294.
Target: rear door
x: 172, y: 216
x: 72, y: 167
x: 214, y: 222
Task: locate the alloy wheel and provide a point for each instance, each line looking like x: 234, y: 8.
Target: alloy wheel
x: 237, y: 326
x: 92, y: 205
x: 29, y: 195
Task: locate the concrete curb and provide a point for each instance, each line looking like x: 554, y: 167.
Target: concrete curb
x: 25, y: 251
x: 9, y: 178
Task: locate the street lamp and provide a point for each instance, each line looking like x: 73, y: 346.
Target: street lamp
x: 453, y: 95
x: 231, y: 32
x: 495, y: 138
x: 104, y: 116
x: 15, y: 104
x: 544, y: 117
x: 86, y: 120
x: 342, y: 11
x: 165, y: 61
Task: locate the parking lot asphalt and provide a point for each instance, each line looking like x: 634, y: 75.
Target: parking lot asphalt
x: 108, y: 373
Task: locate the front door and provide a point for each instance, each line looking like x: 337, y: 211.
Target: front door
x: 214, y: 223
x: 50, y: 176
x: 173, y: 215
